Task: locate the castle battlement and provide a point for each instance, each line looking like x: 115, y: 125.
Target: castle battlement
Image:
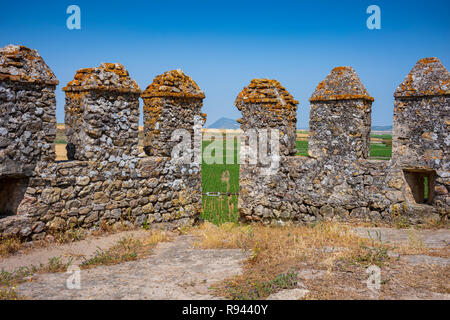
x: 107, y: 181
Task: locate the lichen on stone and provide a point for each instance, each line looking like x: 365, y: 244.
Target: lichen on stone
x: 268, y: 92
x: 428, y: 78
x: 342, y: 83
x: 107, y: 77
x: 173, y: 84
x: 19, y: 63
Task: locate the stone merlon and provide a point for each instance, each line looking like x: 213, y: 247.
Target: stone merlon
x: 173, y: 84
x: 266, y: 91
x: 107, y: 77
x: 172, y: 101
x: 267, y: 104
x: 21, y: 64
x: 341, y: 84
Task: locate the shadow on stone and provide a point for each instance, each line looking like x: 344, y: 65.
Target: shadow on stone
x: 12, y: 191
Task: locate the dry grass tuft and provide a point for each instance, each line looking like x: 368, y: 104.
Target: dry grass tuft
x: 227, y: 236
x: 8, y: 280
x: 9, y: 246
x: 275, y: 245
x: 127, y: 249
x: 69, y: 236
x: 277, y: 251
x: 7, y: 293
x: 328, y: 258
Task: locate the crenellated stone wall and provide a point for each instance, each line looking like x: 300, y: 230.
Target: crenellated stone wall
x: 337, y: 181
x: 106, y: 180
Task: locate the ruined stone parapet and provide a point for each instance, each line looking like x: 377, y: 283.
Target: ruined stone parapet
x: 421, y: 139
x: 172, y: 101
x: 102, y: 114
x: 27, y: 111
x: 340, y: 117
x: 266, y: 104
x: 85, y: 194
x: 107, y: 182
x: 338, y: 182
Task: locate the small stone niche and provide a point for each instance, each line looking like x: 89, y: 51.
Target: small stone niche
x: 421, y: 182
x: 12, y: 191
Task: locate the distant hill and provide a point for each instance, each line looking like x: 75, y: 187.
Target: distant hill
x: 382, y: 128
x: 225, y: 123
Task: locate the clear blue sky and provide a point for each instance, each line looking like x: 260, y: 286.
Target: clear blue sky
x: 222, y: 45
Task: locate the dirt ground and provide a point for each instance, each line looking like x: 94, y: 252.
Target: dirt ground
x: 430, y: 238
x: 180, y: 270
x: 176, y: 271
x: 61, y: 153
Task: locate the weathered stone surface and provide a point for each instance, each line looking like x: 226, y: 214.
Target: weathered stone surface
x: 99, y: 203
x: 341, y: 84
x: 289, y: 294
x: 58, y: 224
x: 421, y: 141
x: 428, y: 78
x: 27, y: 111
x: 340, y: 117
x: 21, y: 64
x: 267, y: 104
x: 173, y: 101
x: 102, y: 115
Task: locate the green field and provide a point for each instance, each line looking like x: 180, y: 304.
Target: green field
x: 302, y: 148
x: 382, y: 136
x: 224, y: 178
x: 377, y: 151
x: 380, y: 151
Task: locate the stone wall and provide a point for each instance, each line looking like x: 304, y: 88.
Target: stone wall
x: 308, y: 190
x: 337, y: 181
x: 106, y: 180
x: 87, y: 194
